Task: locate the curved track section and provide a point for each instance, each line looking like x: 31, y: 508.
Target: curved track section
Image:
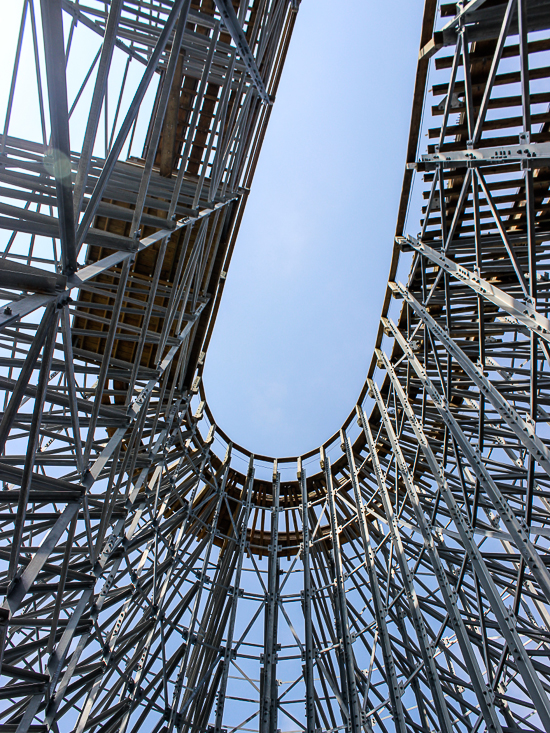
x: 158, y: 577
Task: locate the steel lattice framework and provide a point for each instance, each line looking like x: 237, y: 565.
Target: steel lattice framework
x: 394, y: 578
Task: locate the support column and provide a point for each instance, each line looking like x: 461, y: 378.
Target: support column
x: 306, y: 606
x: 268, y: 677
x: 354, y: 718
x: 242, y: 540
x: 378, y: 604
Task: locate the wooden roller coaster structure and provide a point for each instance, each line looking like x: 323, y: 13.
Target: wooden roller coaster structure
x: 397, y: 576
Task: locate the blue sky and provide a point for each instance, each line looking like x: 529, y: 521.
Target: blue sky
x: 303, y: 296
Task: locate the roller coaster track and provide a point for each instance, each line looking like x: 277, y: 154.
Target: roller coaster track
x: 396, y: 577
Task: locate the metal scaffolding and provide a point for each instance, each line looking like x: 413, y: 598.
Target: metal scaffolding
x: 397, y: 576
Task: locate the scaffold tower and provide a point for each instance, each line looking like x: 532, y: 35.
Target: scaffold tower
x: 395, y: 578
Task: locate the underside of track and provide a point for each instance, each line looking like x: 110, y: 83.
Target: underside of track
x: 395, y: 577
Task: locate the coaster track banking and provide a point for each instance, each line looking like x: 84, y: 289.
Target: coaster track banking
x: 151, y: 584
